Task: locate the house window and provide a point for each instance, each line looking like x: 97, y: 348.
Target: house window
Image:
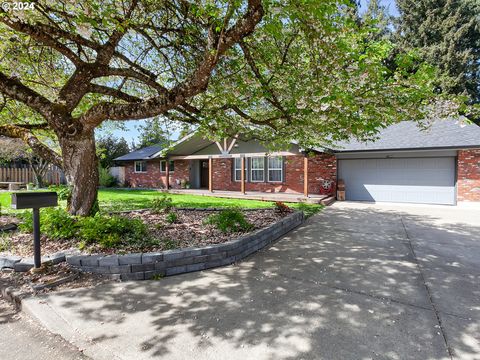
x: 258, y: 169
x: 163, y: 166
x: 275, y: 169
x: 140, y: 166
x: 238, y: 170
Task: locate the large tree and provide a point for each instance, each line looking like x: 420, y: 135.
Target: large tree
x: 77, y: 65
x: 277, y: 70
x: 153, y: 132
x: 109, y: 148
x: 446, y: 34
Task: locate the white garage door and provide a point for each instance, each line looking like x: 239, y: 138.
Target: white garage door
x: 411, y: 180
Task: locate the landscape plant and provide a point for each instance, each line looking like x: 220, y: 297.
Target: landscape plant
x: 161, y: 204
x: 229, y: 221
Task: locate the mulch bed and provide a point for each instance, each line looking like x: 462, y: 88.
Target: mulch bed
x: 187, y: 231
x: 25, y: 283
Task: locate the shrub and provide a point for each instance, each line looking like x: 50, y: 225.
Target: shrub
x: 162, y: 203
x: 107, y: 231
x: 171, y: 218
x: 229, y: 221
x: 105, y: 178
x: 63, y: 191
x: 58, y: 224
x: 55, y: 222
x: 282, y: 208
x: 112, y: 231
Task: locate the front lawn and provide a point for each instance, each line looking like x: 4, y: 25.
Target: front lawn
x: 127, y: 199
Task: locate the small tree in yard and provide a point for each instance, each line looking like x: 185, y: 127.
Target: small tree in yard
x: 14, y: 149
x: 274, y: 70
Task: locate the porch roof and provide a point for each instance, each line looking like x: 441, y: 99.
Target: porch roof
x: 193, y: 146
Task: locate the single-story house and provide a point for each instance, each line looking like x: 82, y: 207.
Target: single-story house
x: 440, y: 165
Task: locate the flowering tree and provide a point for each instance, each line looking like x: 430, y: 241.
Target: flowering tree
x: 277, y: 70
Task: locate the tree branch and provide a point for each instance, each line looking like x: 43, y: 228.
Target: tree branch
x: 31, y: 140
x: 43, y: 37
x: 196, y: 83
x: 14, y: 89
x: 116, y: 93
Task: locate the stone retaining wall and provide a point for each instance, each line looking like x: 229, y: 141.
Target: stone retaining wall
x: 143, y: 266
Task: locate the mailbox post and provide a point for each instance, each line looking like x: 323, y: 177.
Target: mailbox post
x: 35, y: 201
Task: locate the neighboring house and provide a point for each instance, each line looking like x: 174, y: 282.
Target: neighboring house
x: 440, y: 165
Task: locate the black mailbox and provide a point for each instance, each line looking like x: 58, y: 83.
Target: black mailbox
x: 34, y: 200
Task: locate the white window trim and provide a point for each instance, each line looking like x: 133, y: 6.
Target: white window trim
x: 135, y: 166
x: 165, y: 171
x: 252, y: 169
x: 280, y: 168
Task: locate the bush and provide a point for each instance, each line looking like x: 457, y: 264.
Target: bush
x: 229, y: 221
x: 112, y: 231
x: 55, y: 222
x: 107, y: 231
x: 58, y: 224
x: 161, y: 204
x: 171, y: 218
x: 106, y: 179
x: 63, y: 191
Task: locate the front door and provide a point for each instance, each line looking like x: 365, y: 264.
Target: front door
x: 204, y: 174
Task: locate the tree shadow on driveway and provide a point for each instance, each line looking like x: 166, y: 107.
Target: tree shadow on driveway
x: 345, y: 285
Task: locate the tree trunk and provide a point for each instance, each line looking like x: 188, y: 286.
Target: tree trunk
x: 80, y: 165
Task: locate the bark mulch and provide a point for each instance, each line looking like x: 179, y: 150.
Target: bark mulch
x: 187, y: 231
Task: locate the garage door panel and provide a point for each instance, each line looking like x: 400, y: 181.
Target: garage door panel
x: 414, y: 180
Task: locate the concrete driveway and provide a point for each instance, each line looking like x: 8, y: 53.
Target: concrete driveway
x: 357, y: 281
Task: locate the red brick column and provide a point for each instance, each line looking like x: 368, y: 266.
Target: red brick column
x: 468, y: 175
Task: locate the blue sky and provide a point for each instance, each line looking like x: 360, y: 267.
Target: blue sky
x: 390, y: 4
x: 130, y: 132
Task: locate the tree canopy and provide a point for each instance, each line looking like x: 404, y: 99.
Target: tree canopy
x: 277, y: 70
x: 446, y: 33
x: 109, y: 148
x: 153, y: 132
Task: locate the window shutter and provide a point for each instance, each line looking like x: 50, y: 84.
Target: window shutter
x: 284, y: 167
x: 247, y: 166
x: 232, y: 170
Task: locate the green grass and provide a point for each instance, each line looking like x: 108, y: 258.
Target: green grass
x: 117, y: 200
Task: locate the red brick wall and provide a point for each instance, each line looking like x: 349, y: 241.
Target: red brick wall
x: 320, y: 167
x: 468, y: 175
x: 153, y: 178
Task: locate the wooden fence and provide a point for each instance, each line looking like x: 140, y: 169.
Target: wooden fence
x: 24, y: 173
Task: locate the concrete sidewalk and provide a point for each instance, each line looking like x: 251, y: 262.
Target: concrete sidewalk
x: 357, y: 281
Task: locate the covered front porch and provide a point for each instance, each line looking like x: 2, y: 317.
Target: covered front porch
x: 257, y: 195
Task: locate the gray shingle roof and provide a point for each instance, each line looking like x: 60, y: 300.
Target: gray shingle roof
x: 407, y: 135
x: 145, y: 153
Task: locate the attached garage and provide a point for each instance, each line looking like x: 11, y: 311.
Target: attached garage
x: 426, y: 180
x: 436, y: 165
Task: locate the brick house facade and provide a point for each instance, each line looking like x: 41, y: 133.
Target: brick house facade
x: 321, y: 167
x: 153, y: 177
x: 468, y: 175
